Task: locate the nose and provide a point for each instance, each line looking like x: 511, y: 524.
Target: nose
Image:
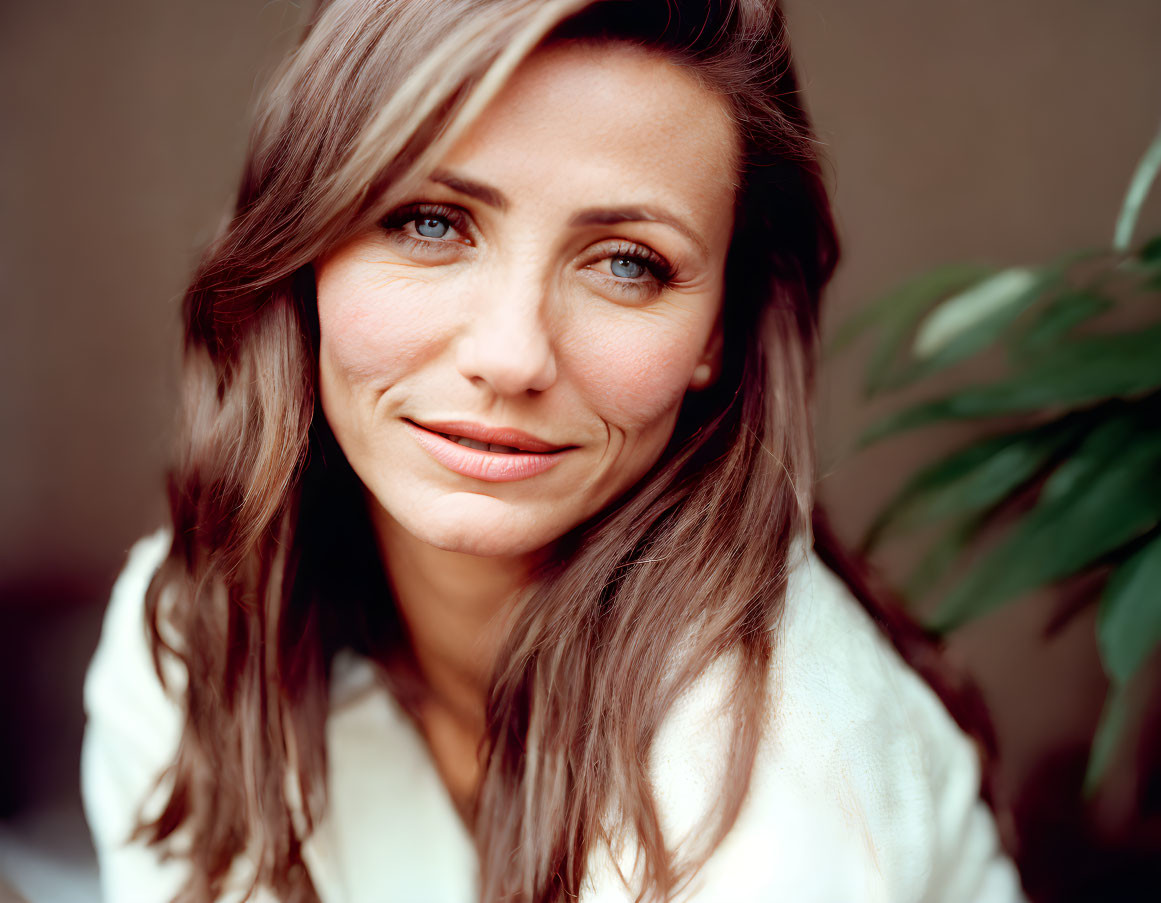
x: 507, y: 344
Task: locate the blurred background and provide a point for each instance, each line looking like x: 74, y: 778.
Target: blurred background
x: 999, y: 133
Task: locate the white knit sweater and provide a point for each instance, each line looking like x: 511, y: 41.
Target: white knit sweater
x: 865, y: 790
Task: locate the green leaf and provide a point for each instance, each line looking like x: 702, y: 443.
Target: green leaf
x: 940, y: 556
x: 1150, y: 264
x: 1063, y: 314
x: 1151, y: 251
x: 895, y: 315
x: 907, y: 301
x: 965, y: 311
x: 969, y: 322
x: 973, y: 479
x: 1110, y: 729
x: 1076, y: 373
x: 1105, y: 495
x: 1129, y: 618
x: 1138, y: 190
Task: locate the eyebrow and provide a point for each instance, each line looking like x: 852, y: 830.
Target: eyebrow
x: 483, y: 193
x: 595, y: 216
x: 608, y: 216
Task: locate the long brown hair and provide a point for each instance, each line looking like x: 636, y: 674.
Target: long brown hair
x: 273, y: 567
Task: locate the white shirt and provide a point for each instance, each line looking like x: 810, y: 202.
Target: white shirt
x: 864, y: 790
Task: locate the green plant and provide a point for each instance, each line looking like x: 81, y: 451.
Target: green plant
x: 1075, y: 486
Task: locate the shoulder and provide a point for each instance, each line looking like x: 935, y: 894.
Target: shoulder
x: 122, y: 686
x: 864, y: 789
x: 123, y: 662
x: 133, y: 727
x: 124, y: 638
x: 868, y: 744
x: 133, y: 730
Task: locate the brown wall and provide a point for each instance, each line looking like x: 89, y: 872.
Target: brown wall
x: 999, y: 131
x: 125, y: 126
x: 1005, y: 133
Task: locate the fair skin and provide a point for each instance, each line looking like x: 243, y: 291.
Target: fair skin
x: 506, y: 355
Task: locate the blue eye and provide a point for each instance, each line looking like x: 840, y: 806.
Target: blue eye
x: 426, y: 223
x: 626, y: 268
x: 432, y: 226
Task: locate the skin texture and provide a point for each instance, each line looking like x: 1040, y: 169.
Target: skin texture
x: 520, y: 295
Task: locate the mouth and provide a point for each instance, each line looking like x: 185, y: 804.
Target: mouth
x: 483, y: 446
x: 498, y: 440
x: 491, y: 454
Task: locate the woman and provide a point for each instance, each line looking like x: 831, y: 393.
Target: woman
x: 489, y: 570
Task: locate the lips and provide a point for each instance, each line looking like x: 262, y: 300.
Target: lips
x: 492, y: 454
x: 506, y: 439
x: 481, y: 446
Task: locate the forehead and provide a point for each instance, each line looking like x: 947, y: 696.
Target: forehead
x: 610, y: 117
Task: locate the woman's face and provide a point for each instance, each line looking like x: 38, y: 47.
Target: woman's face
x: 507, y: 353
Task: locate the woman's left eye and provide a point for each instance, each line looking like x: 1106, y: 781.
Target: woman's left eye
x: 629, y: 267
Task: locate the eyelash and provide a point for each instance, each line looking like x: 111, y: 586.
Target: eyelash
x: 661, y: 270
x: 394, y: 222
x: 657, y: 266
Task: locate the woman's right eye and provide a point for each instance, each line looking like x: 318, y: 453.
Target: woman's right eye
x: 427, y: 227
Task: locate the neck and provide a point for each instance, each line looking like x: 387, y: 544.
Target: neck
x: 456, y: 609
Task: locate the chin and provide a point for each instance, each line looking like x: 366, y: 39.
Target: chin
x: 482, y: 526
x: 481, y: 543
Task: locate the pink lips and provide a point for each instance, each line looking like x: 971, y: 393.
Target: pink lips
x: 521, y: 455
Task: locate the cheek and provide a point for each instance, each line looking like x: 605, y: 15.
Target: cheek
x: 374, y: 330
x: 635, y: 374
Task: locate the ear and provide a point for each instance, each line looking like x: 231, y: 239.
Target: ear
x: 709, y: 365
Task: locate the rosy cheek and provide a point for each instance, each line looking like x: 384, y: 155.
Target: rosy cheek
x: 374, y: 329
x: 633, y: 373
